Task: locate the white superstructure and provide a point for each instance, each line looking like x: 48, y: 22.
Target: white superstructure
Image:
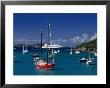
x: 51, y: 46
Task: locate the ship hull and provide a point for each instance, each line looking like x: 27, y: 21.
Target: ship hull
x: 45, y: 66
x: 51, y: 46
x: 83, y: 60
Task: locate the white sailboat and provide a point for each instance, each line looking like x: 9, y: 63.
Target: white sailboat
x: 89, y: 60
x: 83, y: 59
x: 86, y: 60
x: 58, y: 51
x: 71, y: 51
x: 77, y: 52
x: 25, y: 50
x: 95, y: 54
x: 53, y: 56
x: 55, y: 51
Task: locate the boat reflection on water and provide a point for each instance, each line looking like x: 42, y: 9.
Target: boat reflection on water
x: 44, y: 72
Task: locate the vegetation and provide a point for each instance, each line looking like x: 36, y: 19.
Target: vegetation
x: 88, y: 46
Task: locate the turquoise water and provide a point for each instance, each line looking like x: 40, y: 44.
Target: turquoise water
x: 66, y: 64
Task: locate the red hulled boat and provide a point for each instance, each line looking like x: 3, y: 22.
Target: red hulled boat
x: 44, y: 64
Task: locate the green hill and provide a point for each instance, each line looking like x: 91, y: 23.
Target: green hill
x: 88, y: 46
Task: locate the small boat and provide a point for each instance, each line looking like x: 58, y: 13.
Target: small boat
x: 58, y: 51
x: 35, y: 55
x: 25, y: 50
x: 41, y: 64
x: 44, y: 64
x: 95, y: 54
x: 77, y: 52
x: 71, y: 51
x: 90, y: 61
x: 83, y: 60
x: 37, y: 59
x: 55, y: 51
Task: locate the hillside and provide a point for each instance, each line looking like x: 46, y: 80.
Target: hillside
x: 88, y: 46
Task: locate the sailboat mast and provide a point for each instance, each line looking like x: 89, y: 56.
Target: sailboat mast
x: 89, y: 55
x: 41, y: 39
x: 49, y: 38
x: 26, y: 44
x: 53, y: 56
x: 41, y: 43
x: 23, y: 48
x: 49, y: 31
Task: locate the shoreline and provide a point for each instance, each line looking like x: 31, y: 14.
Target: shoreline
x: 75, y: 49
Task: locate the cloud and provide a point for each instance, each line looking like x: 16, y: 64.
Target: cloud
x: 84, y: 38
x: 93, y: 37
x: 64, y: 40
x: 75, y: 39
x: 79, y: 39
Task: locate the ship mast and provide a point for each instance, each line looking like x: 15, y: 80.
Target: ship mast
x: 41, y: 43
x: 41, y: 39
x: 49, y: 38
x: 49, y: 32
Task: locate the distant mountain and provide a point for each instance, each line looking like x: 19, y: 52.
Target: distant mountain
x: 88, y: 46
x: 32, y: 45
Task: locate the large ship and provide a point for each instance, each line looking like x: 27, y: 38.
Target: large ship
x: 50, y: 44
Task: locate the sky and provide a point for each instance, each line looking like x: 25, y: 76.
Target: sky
x: 68, y: 29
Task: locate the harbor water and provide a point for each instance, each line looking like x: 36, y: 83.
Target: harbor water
x: 65, y: 63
